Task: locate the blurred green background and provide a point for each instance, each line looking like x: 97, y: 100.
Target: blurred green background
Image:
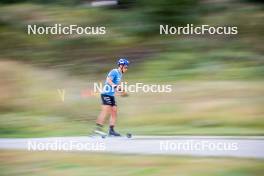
x: 217, y: 79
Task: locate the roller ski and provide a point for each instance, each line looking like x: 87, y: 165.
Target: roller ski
x: 113, y: 133
x: 98, y: 131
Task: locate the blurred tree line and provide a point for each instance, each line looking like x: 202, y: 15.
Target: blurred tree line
x: 170, y: 12
x: 158, y: 11
x: 62, y: 2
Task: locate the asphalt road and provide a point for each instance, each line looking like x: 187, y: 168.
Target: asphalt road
x: 209, y: 146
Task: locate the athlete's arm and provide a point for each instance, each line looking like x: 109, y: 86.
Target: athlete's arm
x: 110, y: 82
x: 120, y: 91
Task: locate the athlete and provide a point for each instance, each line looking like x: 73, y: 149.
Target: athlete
x: 109, y: 106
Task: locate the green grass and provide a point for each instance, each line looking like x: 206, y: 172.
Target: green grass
x: 58, y: 163
x: 218, y: 64
x: 31, y: 106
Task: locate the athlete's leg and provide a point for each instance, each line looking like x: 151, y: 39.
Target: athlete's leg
x: 112, y: 132
x: 104, y: 112
x: 113, y: 115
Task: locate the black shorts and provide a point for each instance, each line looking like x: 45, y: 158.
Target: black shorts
x: 108, y: 100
